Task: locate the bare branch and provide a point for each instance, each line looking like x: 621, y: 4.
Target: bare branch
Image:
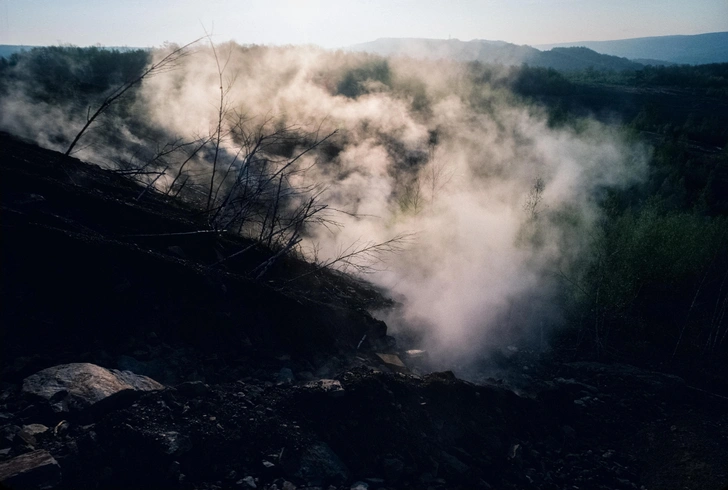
x: 117, y: 93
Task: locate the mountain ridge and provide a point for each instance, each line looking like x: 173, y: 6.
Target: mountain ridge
x: 496, y: 52
x: 693, y: 49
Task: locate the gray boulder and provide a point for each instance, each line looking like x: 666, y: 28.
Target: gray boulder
x: 78, y: 386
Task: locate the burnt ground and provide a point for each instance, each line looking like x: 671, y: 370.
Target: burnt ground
x: 93, y: 273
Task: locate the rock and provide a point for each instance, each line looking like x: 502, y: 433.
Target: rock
x: 192, y: 388
x: 36, y: 470
x: 249, y: 481
x: 75, y: 387
x: 320, y: 464
x: 35, y: 429
x: 331, y: 387
x: 173, y: 443
x: 29, y: 433
x: 392, y: 361
x: 359, y: 485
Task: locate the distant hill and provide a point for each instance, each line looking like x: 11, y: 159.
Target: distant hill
x: 500, y: 52
x: 693, y: 50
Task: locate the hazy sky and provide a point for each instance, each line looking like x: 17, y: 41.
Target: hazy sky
x: 334, y: 23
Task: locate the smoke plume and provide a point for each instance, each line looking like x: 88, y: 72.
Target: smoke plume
x: 498, y: 205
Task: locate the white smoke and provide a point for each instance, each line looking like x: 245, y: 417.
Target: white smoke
x: 423, y: 149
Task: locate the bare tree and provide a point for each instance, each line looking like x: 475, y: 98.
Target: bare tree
x: 223, y: 109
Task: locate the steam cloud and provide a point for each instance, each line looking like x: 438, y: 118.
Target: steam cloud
x: 500, y: 202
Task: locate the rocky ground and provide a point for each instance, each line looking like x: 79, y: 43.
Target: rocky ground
x: 129, y: 362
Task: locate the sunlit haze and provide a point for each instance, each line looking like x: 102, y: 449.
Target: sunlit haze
x: 330, y: 23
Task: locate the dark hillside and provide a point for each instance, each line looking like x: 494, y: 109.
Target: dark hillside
x: 277, y: 387
x: 86, y: 259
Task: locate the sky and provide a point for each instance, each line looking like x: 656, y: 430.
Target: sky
x: 339, y: 23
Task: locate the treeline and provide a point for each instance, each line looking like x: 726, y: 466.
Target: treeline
x: 63, y: 73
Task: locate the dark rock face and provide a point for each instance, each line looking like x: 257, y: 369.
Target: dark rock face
x: 75, y: 387
x: 37, y: 470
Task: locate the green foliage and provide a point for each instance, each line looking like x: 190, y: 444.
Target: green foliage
x: 655, y: 278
